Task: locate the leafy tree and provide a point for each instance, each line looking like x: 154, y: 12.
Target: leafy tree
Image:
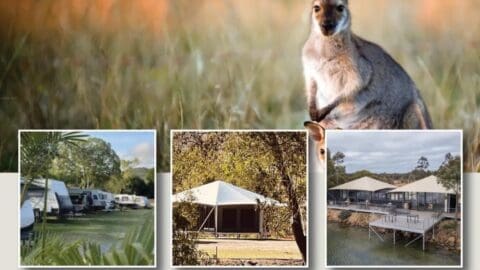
x: 336, y: 170
x: 449, y: 175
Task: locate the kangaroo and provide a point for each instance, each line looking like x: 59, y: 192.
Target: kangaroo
x: 352, y: 83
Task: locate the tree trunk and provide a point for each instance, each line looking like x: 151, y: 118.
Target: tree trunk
x: 456, y: 219
x: 297, y: 227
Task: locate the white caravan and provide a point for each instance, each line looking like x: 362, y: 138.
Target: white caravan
x: 95, y: 199
x: 108, y: 198
x: 142, y: 202
x: 58, y: 198
x: 27, y: 219
x: 125, y: 200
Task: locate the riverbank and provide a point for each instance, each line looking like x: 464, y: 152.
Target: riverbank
x: 445, y: 232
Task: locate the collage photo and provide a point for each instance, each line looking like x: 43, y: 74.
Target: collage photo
x: 221, y: 134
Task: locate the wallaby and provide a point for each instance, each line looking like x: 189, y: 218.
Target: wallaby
x: 317, y: 133
x: 352, y: 83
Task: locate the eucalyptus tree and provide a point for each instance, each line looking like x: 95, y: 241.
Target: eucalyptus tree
x: 449, y: 175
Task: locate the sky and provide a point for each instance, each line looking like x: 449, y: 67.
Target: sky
x: 129, y: 145
x: 392, y: 152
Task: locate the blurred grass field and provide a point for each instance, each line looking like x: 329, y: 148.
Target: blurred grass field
x: 213, y: 64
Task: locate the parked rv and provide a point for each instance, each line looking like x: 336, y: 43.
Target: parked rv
x: 126, y: 200
x: 109, y: 199
x: 58, y: 198
x: 79, y: 199
x: 95, y: 199
x: 142, y: 202
x: 27, y: 219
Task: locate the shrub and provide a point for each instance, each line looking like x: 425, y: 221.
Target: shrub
x: 344, y: 215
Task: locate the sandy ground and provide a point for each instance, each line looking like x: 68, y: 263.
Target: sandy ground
x: 251, y: 249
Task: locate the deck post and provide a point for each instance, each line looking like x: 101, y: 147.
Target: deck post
x: 433, y: 230
x: 394, y: 237
x: 368, y: 232
x: 423, y: 238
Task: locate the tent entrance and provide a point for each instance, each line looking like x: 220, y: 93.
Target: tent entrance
x: 243, y: 219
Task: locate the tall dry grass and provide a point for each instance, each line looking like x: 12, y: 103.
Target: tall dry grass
x: 213, y: 64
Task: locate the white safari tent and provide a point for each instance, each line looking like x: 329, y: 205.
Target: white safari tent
x: 426, y: 193
x: 226, y: 208
x: 361, y: 189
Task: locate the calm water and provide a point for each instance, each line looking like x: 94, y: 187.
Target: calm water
x: 350, y: 246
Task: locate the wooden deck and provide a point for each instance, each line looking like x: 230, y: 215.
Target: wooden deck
x: 419, y: 223
x: 406, y: 223
x: 413, y: 221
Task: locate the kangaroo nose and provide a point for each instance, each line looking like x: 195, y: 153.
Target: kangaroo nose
x: 328, y: 25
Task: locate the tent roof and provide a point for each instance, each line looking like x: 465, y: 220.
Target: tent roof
x: 364, y: 184
x: 428, y: 184
x: 219, y: 193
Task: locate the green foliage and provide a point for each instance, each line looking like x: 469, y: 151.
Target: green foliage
x: 91, y: 164
x: 238, y: 158
x: 137, y: 248
x: 448, y: 225
x: 345, y: 214
x: 450, y: 172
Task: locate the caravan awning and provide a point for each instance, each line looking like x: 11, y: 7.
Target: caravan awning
x: 219, y: 193
x: 364, y: 184
x: 428, y: 184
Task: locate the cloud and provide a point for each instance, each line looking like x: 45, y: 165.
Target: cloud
x: 387, y: 151
x: 145, y: 153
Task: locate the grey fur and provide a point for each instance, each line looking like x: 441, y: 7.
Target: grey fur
x: 367, y: 88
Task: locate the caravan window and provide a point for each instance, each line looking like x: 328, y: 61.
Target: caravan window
x: 95, y: 197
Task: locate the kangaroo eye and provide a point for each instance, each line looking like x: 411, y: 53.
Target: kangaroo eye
x: 322, y: 151
x: 316, y: 8
x: 340, y: 8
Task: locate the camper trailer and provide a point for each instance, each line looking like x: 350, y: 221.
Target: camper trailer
x: 27, y: 219
x: 126, y: 200
x: 79, y: 199
x: 142, y: 202
x: 58, y: 198
x: 109, y: 200
x: 95, y: 199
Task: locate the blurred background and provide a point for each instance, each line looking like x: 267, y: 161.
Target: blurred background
x: 168, y: 64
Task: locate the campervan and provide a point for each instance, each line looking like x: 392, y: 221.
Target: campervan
x: 125, y: 200
x: 79, y: 199
x: 95, y: 199
x: 142, y: 202
x: 108, y: 198
x: 58, y: 198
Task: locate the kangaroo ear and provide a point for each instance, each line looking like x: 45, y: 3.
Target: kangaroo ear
x: 316, y: 130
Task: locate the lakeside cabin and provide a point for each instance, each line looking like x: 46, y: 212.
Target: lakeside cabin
x: 364, y: 189
x: 424, y: 194
x: 226, y: 208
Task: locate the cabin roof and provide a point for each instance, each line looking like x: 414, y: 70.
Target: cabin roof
x: 364, y: 184
x: 428, y: 184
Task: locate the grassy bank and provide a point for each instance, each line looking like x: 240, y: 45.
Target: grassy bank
x: 220, y: 64
x: 105, y: 228
x: 117, y: 238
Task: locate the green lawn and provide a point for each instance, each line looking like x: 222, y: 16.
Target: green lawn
x: 105, y: 228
